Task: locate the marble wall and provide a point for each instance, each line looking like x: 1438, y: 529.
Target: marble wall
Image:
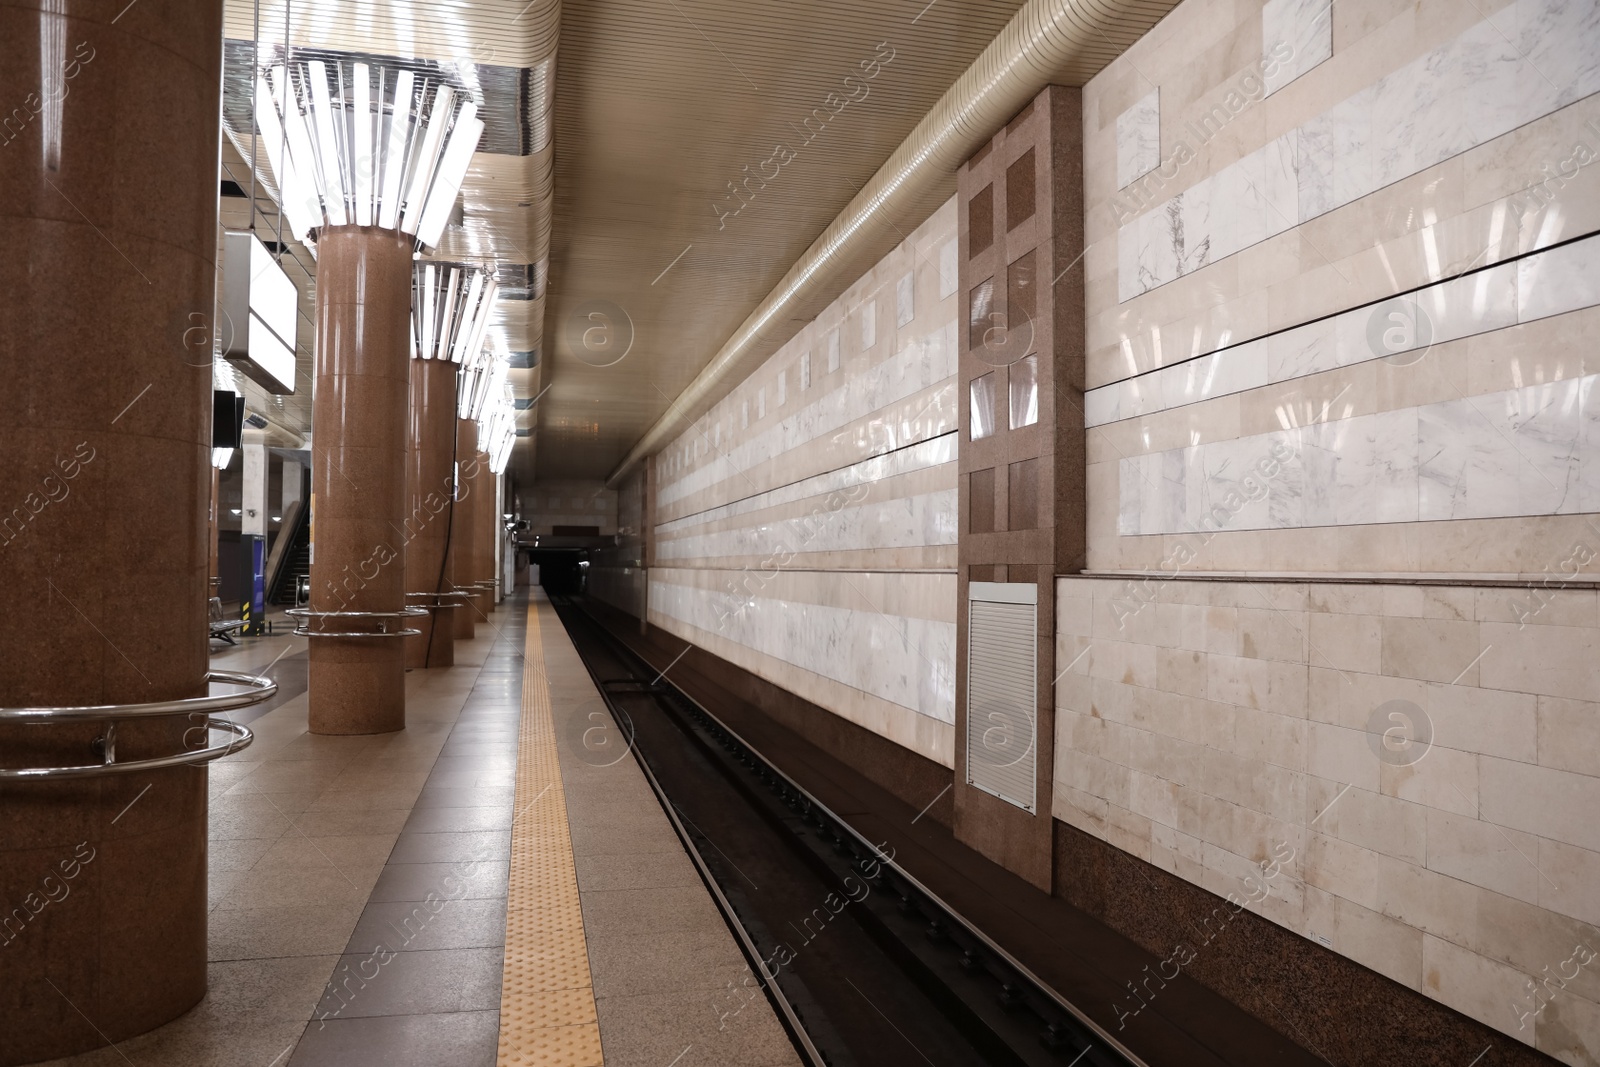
x: 805, y: 526
x: 617, y: 571
x: 1340, y: 325
x: 1429, y: 756
x: 552, y: 504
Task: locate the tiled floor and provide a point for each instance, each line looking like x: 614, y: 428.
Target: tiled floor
x: 359, y: 887
x: 660, y: 955
x: 322, y: 848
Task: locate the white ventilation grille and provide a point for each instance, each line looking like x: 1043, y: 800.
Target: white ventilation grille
x: 1002, y: 668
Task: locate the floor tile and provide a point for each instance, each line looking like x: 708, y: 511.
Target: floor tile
x: 413, y: 926
x: 456, y: 820
x: 456, y: 1039
x: 298, y: 930
x: 451, y: 847
x: 415, y: 881
x: 413, y: 983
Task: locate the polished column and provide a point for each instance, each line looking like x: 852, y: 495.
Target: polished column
x: 369, y: 197
x: 495, y: 410
x: 430, y: 512
x: 451, y: 308
x: 464, y: 545
x: 108, y: 237
x: 363, y: 319
x: 487, y: 527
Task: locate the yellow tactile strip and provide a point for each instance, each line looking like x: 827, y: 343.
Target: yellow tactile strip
x: 547, y: 1014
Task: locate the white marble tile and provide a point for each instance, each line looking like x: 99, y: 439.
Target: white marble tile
x: 1304, y: 350
x: 923, y: 362
x: 1549, y: 425
x: 1529, y: 451
x: 1132, y: 492
x: 1589, y: 444
x: 1562, y: 279
x: 1547, y: 283
x: 905, y: 660
x: 1139, y: 138
x: 949, y: 270
x: 904, y: 300
x: 833, y: 351
x: 869, y: 324
x: 1469, y: 90
x: 1302, y: 27
x: 1474, y: 304
x: 1100, y: 406
x: 1375, y: 472
x: 1468, y: 467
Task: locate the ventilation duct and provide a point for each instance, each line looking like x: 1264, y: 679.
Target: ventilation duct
x: 1064, y: 42
x: 1002, y: 691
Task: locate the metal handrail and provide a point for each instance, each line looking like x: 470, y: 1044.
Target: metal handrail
x: 307, y: 613
x: 242, y: 734
x: 260, y: 689
x: 301, y: 631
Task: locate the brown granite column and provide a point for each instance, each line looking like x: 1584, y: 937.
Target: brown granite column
x: 487, y: 526
x: 430, y: 477
x: 464, y: 541
x: 1021, y: 489
x: 108, y: 230
x: 357, y: 684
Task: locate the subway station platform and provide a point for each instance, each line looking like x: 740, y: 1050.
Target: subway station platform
x: 472, y: 890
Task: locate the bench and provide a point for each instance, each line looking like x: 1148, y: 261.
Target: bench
x: 221, y: 628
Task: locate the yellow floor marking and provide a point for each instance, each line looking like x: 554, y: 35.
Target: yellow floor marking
x: 547, y: 1014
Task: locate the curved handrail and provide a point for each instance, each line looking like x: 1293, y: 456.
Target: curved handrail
x: 242, y: 734
x: 261, y: 688
x: 301, y: 631
x: 307, y: 613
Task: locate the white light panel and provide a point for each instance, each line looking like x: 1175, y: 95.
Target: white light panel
x: 451, y: 305
x: 345, y: 151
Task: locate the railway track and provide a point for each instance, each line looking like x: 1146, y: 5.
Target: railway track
x: 863, y: 964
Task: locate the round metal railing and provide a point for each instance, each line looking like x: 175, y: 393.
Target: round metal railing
x: 257, y: 689
x: 308, y: 614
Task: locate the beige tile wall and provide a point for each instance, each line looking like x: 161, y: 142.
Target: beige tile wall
x: 1202, y: 723
x: 805, y: 525
x: 1474, y: 208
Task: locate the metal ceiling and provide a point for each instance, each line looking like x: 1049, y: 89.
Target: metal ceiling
x: 699, y: 148
x: 499, y: 51
x: 668, y: 113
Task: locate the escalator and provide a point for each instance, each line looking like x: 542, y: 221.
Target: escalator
x: 291, y: 555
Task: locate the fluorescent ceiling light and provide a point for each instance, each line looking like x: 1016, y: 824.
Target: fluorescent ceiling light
x: 451, y: 305
x: 357, y: 156
x: 363, y: 162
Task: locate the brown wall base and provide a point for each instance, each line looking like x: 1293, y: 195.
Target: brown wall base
x: 1330, y: 1004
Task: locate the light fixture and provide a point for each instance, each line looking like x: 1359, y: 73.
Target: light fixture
x: 236, y: 511
x: 220, y: 458
x: 497, y: 426
x: 482, y: 374
x: 257, y: 292
x: 451, y: 305
x: 351, y: 145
